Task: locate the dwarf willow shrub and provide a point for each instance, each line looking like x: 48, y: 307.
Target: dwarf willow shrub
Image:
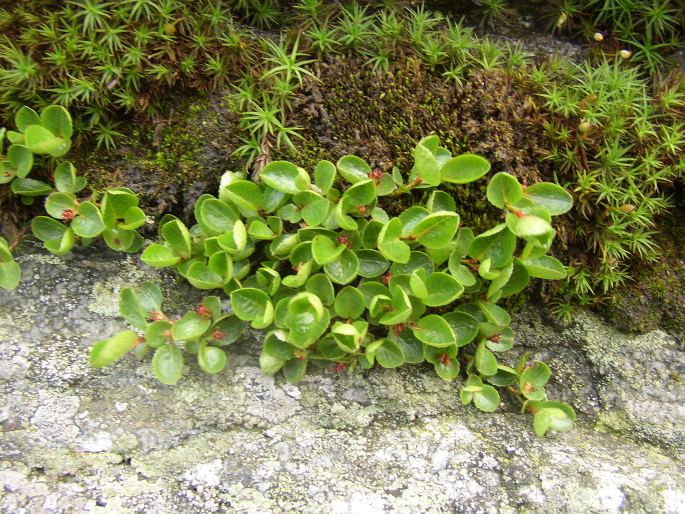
x: 331, y: 277
x: 115, y: 217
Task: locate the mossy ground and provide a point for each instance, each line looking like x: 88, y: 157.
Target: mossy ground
x: 655, y: 297
x: 171, y: 162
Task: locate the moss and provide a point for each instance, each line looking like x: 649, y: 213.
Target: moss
x: 381, y: 116
x: 656, y: 296
x: 169, y: 164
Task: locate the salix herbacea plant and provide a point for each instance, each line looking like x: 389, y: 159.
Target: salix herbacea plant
x: 332, y: 277
x: 115, y: 217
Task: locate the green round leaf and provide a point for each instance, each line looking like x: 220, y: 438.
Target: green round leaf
x: 389, y: 243
x: 426, y: 167
x: 344, y: 269
x: 158, y: 333
x: 250, y: 304
x: 546, y: 267
x: 89, y: 222
x: 167, y: 364
x: 464, y: 168
x: 25, y: 117
x: 244, y: 194
x: 159, y: 256
x: 550, y: 196
x: 447, y: 368
x: 320, y: 285
x: 389, y: 354
x: 411, y: 347
x: 294, y: 370
x: 227, y: 330
x: 324, y: 176
x: 41, y: 141
x: 216, y: 217
x: 57, y: 119
x: 464, y: 326
x: 325, y: 250
x: 30, y: 187
x: 353, y: 169
x: 349, y: 304
x: 371, y: 263
x: 66, y: 180
x: 485, y: 360
x: 211, y: 359
x: 285, y: 177
x: 21, y: 159
x: 434, y: 331
x: 190, y: 327
x: 119, y: 239
x: 437, y: 229
x: 504, y: 189
x: 277, y: 346
x: 517, y: 281
x: 177, y: 237
x: 47, y: 229
x: 442, y: 289
x: 487, y: 399
x: 497, y: 244
x: 105, y: 352
x: 57, y: 203
x: 10, y: 273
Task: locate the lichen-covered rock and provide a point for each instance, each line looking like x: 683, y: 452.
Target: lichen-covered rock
x: 76, y: 439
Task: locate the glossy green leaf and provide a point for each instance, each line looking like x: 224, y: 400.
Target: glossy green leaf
x: 349, y: 303
x: 437, y: 229
x: 324, y: 175
x: 285, y: 177
x: 504, y: 189
x: 443, y: 289
x: 371, y: 263
x: 389, y: 354
x: 10, y: 274
x: 244, y: 194
x: 325, y: 250
x: 464, y: 326
x: 25, y: 117
x: 434, y: 331
x: 321, y: 286
x: 21, y: 159
x: 107, y: 351
x: 550, y: 415
x: 190, y: 327
x: 89, y: 222
x: 546, y: 267
x: 58, y: 120
x: 550, y: 196
x: 250, y: 304
x: 216, y: 217
x: 344, y: 269
x: 353, y: 169
x: 485, y: 360
x: 41, y: 141
x: 528, y: 226
x: 426, y: 167
x: 498, y: 244
x: 441, y: 201
x: 177, y: 236
x: 487, y: 399
x: 464, y: 168
x: 57, y: 203
x: 131, y: 308
x: 211, y: 359
x: 158, y: 333
x: 389, y: 243
x: 66, y: 179
x: 447, y: 368
x: 167, y: 364
x: 295, y: 369
x: 159, y: 256
x: 30, y: 187
x: 316, y: 212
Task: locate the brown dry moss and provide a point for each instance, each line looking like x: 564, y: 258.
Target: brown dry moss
x: 381, y: 116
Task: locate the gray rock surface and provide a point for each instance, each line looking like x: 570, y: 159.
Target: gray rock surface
x: 75, y: 439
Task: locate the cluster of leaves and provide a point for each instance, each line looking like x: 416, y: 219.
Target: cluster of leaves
x: 101, y: 59
x: 332, y: 278
x: 203, y: 332
x: 116, y: 217
x: 620, y: 149
x: 651, y: 29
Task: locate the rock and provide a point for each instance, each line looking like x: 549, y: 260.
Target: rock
x: 77, y: 439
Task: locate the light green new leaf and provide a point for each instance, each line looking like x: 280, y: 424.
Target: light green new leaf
x: 353, y: 169
x: 389, y: 243
x: 434, y: 331
x: 285, y: 177
x: 167, y: 364
x: 464, y: 168
x: 105, y: 352
x: 437, y: 229
x: 550, y: 196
